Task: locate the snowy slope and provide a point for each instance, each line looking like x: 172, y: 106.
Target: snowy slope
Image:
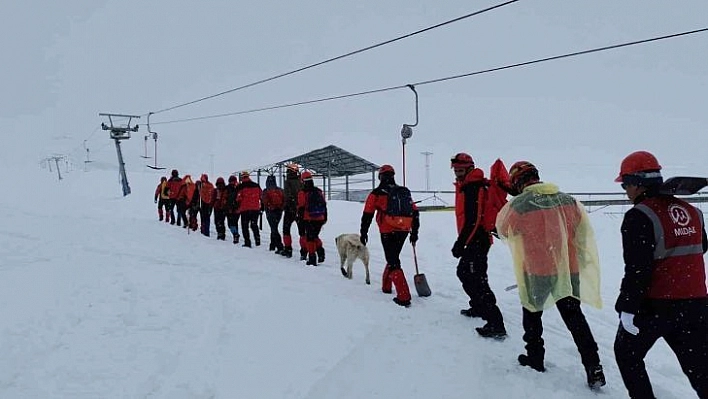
x: 100, y: 300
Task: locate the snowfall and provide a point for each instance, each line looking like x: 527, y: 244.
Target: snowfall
x: 101, y: 300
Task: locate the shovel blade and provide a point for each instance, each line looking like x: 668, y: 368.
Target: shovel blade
x: 683, y: 185
x: 421, y: 285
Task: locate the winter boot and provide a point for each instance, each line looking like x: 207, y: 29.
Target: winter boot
x: 596, y: 378
x: 534, y: 362
x: 278, y: 249
x: 247, y: 244
x: 257, y: 240
x: 490, y: 330
x: 159, y: 212
x: 271, y: 247
x: 303, y: 254
x: 386, y: 280
x: 399, y: 302
x: 287, y: 252
x: 403, y: 294
x: 221, y: 236
x: 236, y: 238
x: 311, y: 260
x: 320, y: 254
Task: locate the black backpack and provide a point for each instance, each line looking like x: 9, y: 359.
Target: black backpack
x: 316, y: 205
x: 400, y: 201
x: 399, y: 208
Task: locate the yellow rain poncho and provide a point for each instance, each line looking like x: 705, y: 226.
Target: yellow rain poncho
x: 553, y: 247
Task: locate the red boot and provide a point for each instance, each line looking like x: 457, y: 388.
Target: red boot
x: 386, y: 280
x: 159, y: 212
x: 403, y: 294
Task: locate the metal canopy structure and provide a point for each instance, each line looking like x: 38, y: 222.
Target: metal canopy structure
x: 328, y: 162
x: 332, y: 161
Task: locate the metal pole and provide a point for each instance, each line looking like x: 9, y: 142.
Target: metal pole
x: 346, y: 185
x: 427, y: 169
x: 121, y: 164
x: 56, y: 160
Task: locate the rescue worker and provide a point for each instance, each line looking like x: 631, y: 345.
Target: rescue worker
x: 312, y: 213
x: 292, y: 187
x: 249, y: 207
x: 555, y: 255
x: 663, y: 291
x: 472, y: 247
x: 232, y: 214
x: 162, y: 199
x: 206, y: 195
x: 273, y: 201
x: 173, y: 186
x: 220, y: 195
x: 396, y: 216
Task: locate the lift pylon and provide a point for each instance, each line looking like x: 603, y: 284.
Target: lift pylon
x: 118, y: 133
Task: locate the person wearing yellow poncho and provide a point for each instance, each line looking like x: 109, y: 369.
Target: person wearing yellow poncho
x: 555, y: 262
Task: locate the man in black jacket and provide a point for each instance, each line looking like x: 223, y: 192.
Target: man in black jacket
x: 663, y: 293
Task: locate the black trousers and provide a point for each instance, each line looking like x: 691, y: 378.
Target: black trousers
x: 250, y: 219
x: 219, y: 218
x: 182, y: 213
x: 574, y: 319
x: 472, y: 273
x: 392, y: 245
x: 683, y: 324
x: 312, y: 229
x: 288, y: 220
x: 205, y: 217
x: 171, y: 210
x: 273, y: 217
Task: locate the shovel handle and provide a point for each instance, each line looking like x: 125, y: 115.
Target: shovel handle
x: 415, y: 259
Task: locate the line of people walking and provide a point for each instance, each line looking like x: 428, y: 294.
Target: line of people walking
x: 300, y: 202
x: 555, y: 258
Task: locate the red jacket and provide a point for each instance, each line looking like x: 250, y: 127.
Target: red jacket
x: 249, y: 196
x: 377, y: 203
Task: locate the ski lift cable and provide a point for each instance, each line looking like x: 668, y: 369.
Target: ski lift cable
x: 439, y: 80
x: 339, y: 57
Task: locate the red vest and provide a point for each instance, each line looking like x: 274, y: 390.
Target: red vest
x: 679, y: 271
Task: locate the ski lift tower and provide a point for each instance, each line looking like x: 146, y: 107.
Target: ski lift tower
x: 118, y: 133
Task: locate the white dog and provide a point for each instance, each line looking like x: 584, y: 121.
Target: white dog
x: 350, y: 248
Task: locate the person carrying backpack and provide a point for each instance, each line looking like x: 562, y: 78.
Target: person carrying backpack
x: 473, y: 244
x: 232, y: 214
x: 206, y: 195
x: 220, y: 195
x: 396, y: 216
x: 312, y: 211
x: 162, y: 199
x: 273, y: 201
x: 292, y: 187
x: 174, y: 184
x: 249, y: 207
x: 556, y: 264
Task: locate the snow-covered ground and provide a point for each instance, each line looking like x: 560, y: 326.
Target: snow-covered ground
x: 100, y: 300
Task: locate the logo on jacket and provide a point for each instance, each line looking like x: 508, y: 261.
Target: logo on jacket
x: 679, y: 215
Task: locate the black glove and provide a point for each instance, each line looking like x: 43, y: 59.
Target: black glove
x: 156, y: 201
x: 458, y: 249
x: 364, y: 238
x: 414, y: 237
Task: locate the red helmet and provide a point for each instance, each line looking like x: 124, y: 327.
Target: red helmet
x: 521, y: 173
x: 461, y: 160
x: 638, y: 161
x: 386, y: 169
x: 306, y: 175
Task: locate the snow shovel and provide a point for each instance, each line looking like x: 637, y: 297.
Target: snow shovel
x: 421, y: 283
x: 682, y: 185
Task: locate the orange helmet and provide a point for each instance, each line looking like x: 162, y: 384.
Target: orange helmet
x: 306, y: 176
x: 386, y: 169
x: 461, y: 160
x: 638, y: 161
x: 521, y: 173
